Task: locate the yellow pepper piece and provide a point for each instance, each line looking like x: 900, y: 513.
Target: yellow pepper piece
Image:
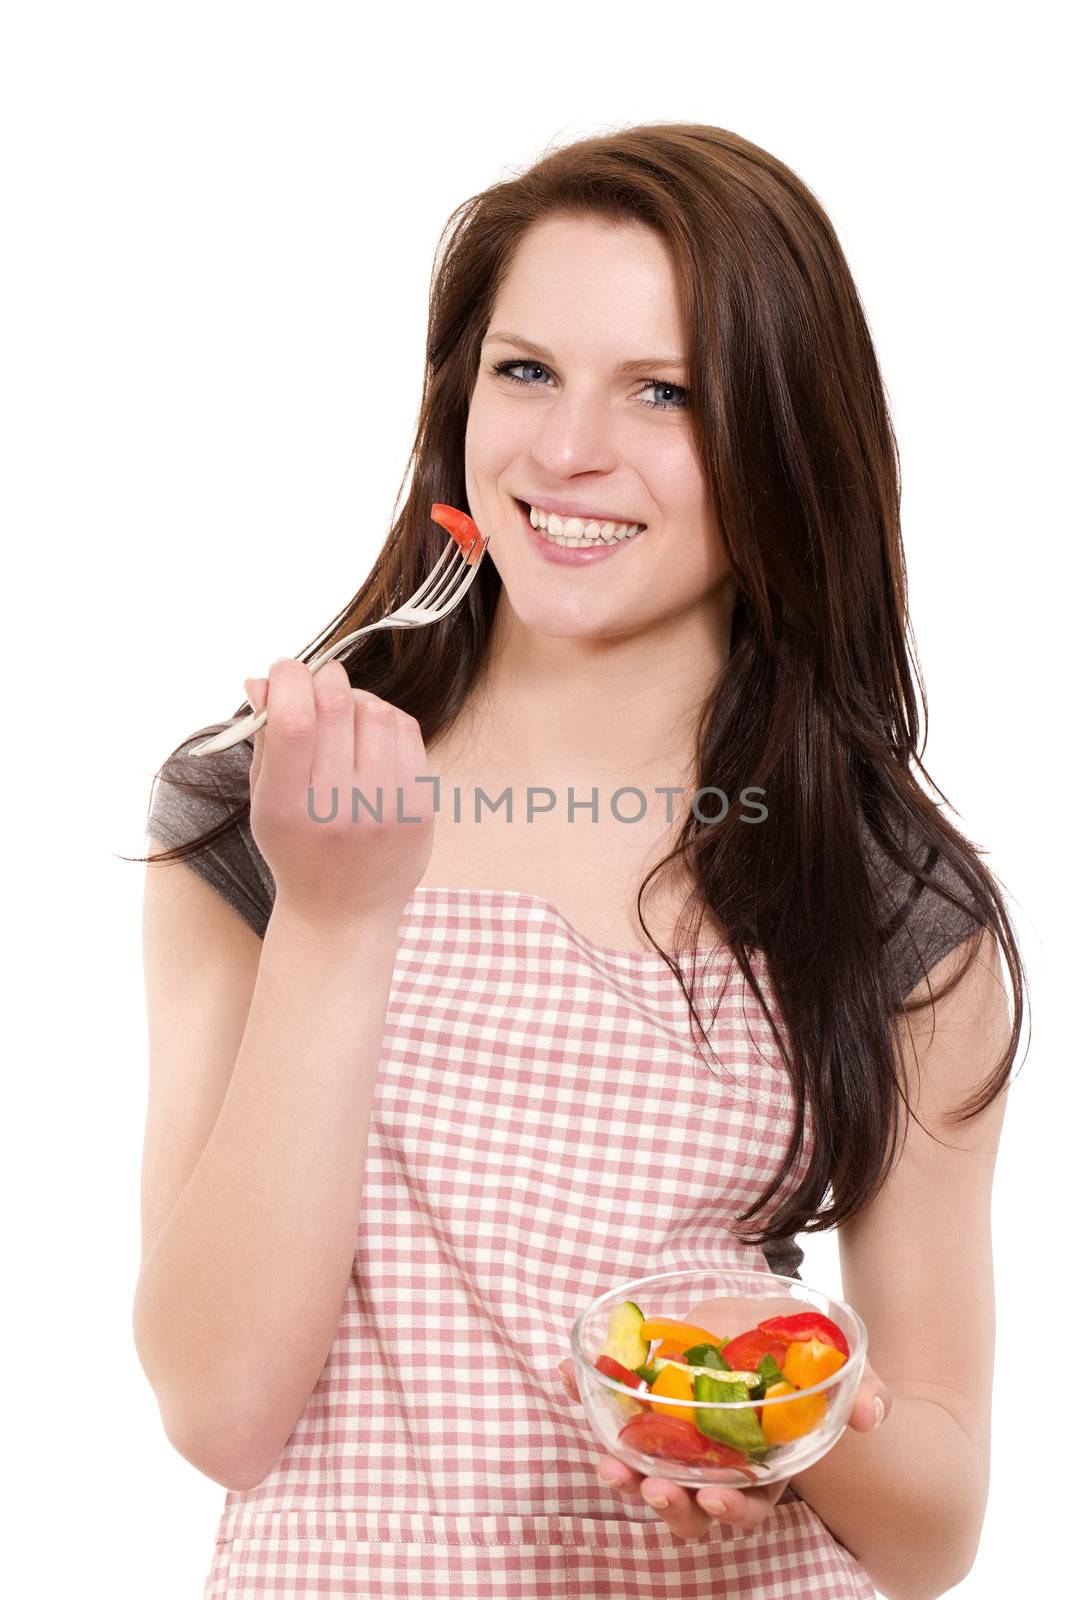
x: 782, y: 1423
x: 809, y: 1362
x: 673, y: 1381
x: 683, y: 1333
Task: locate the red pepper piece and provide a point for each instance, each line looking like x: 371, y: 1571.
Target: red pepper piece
x: 615, y: 1369
x: 462, y: 528
x: 804, y: 1326
x: 746, y: 1352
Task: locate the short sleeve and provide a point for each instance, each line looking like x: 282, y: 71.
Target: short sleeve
x: 921, y: 926
x: 784, y: 1256
x: 193, y: 794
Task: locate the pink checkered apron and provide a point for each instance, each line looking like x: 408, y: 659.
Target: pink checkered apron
x: 543, y: 1129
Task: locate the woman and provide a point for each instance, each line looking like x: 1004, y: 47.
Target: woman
x: 438, y: 1064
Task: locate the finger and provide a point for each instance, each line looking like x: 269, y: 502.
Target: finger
x: 566, y: 1369
x: 617, y: 1475
x: 331, y: 765
x: 872, y: 1405
x: 374, y: 758
x: 678, y: 1508
x: 256, y: 694
x: 289, y: 733
x: 741, y: 1508
x: 418, y: 798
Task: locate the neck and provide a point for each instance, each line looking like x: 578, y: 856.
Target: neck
x: 566, y: 710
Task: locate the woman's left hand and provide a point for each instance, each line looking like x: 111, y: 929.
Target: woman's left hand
x: 690, y: 1512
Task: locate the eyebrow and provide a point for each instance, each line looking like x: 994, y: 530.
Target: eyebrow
x: 637, y: 365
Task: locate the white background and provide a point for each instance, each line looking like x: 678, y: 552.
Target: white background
x: 219, y: 225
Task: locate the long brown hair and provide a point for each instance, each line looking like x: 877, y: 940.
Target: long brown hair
x: 816, y: 703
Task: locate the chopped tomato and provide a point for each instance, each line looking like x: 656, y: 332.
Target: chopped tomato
x: 724, y: 1455
x: 806, y: 1325
x: 665, y: 1436
x: 681, y: 1441
x: 615, y: 1369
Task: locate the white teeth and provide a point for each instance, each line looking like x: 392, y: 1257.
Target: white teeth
x: 575, y: 534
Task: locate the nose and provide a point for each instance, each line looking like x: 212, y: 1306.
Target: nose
x: 574, y: 436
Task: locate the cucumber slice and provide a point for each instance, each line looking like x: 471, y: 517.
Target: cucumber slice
x: 624, y: 1342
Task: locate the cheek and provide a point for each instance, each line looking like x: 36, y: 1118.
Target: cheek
x: 493, y: 433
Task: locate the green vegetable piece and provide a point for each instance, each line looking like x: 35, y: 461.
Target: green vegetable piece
x: 624, y: 1342
x: 647, y: 1372
x: 768, y: 1372
x: 706, y: 1355
x: 738, y: 1428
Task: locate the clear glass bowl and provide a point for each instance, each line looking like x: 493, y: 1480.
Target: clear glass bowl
x: 724, y: 1303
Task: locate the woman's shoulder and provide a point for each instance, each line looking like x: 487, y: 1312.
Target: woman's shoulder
x: 192, y: 796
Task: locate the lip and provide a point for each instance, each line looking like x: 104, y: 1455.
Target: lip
x: 568, y: 555
x: 568, y: 508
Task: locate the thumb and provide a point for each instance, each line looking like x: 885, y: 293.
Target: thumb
x: 566, y: 1371
x: 873, y: 1403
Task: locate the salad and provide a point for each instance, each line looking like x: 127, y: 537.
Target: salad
x: 779, y: 1356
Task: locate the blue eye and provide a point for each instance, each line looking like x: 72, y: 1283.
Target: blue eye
x: 503, y: 369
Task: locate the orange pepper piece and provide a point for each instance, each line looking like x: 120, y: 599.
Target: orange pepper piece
x: 679, y: 1385
x: 809, y: 1362
x: 782, y: 1423
x: 683, y: 1333
x: 671, y: 1350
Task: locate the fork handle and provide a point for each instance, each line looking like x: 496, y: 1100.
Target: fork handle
x: 249, y: 726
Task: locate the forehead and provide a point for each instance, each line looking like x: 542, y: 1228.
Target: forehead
x: 588, y: 284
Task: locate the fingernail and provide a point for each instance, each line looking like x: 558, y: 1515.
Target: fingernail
x: 714, y: 1507
x: 659, y: 1505
x: 879, y: 1409
x: 607, y: 1476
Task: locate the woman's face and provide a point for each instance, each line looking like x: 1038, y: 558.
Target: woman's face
x: 594, y: 418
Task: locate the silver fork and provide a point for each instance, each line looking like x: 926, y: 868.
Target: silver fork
x: 435, y: 597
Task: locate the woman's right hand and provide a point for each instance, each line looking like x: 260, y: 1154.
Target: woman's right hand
x: 323, y: 735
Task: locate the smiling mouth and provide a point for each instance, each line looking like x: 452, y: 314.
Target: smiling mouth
x: 578, y: 533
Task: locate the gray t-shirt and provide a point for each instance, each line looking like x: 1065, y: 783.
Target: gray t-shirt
x: 235, y: 868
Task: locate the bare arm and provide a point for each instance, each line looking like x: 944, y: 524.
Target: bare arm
x: 240, y: 1294
x: 908, y: 1499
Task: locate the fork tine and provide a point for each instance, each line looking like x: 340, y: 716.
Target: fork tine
x: 446, y: 580
x: 416, y: 598
x: 434, y: 596
x: 457, y: 586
